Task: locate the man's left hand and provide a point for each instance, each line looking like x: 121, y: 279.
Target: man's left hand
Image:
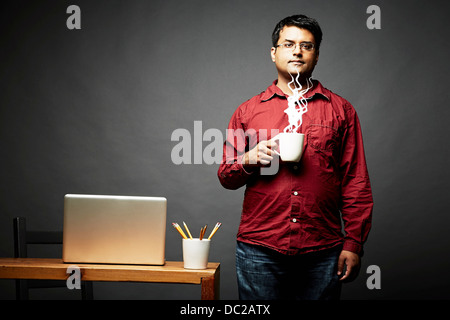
x: 352, y: 262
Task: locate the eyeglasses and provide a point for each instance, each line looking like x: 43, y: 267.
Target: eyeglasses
x: 307, y: 46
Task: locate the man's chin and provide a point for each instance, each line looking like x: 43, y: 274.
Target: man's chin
x: 297, y: 73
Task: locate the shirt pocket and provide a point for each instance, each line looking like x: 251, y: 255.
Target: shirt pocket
x: 324, y: 137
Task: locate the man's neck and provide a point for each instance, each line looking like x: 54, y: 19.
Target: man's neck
x: 283, y: 84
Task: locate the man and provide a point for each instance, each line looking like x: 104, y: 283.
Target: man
x: 290, y: 244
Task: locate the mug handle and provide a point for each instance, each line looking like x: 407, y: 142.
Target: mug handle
x: 276, y: 138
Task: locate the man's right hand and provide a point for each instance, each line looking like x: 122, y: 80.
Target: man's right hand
x: 262, y: 154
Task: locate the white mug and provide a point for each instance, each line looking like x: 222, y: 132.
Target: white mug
x: 290, y: 146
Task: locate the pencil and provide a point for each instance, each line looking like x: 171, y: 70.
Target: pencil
x: 216, y: 227
x: 202, y: 231
x: 176, y: 226
x: 187, y: 229
x: 201, y: 234
x: 180, y: 231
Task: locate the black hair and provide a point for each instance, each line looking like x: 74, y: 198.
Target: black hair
x: 301, y: 21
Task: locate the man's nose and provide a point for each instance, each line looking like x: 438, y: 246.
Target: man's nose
x: 297, y: 51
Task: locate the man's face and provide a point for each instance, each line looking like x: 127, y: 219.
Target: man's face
x: 289, y: 61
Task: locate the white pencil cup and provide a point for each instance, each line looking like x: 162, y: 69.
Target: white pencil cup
x: 196, y: 253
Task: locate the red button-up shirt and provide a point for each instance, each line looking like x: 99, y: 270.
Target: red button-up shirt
x: 299, y: 209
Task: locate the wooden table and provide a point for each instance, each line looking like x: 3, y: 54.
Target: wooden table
x: 171, y: 272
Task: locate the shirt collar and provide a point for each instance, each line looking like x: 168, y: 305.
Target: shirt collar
x: 317, y: 92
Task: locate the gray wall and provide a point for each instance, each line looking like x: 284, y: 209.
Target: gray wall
x: 93, y: 110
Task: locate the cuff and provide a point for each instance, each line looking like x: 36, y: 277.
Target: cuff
x: 352, y: 246
x: 241, y: 165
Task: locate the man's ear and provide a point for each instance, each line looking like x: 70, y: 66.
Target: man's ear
x: 272, y: 53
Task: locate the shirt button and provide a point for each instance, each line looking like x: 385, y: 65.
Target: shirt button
x: 295, y: 193
x: 295, y: 167
x: 294, y: 220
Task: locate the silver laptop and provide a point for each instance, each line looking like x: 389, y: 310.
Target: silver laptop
x: 114, y: 229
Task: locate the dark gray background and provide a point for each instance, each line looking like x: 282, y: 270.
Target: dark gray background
x: 93, y: 110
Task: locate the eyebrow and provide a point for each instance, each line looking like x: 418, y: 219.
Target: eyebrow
x: 292, y: 41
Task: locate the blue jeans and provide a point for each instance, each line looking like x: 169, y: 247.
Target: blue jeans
x: 265, y: 274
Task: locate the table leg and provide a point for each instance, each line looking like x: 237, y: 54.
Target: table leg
x: 211, y: 287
